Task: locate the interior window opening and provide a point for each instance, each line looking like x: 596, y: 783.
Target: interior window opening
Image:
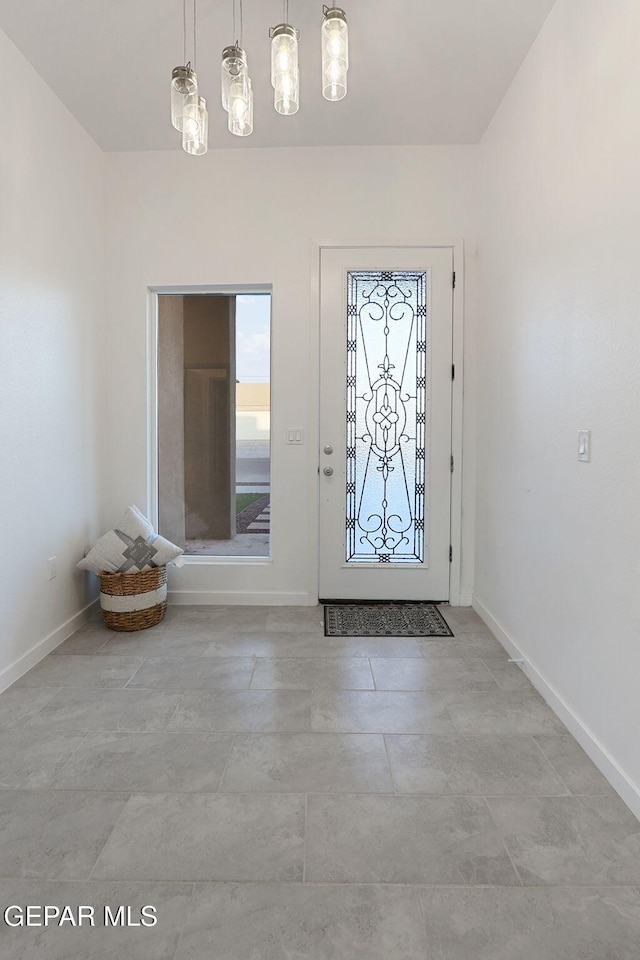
x: 214, y: 423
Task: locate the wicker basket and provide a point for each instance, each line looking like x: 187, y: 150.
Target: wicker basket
x: 133, y: 601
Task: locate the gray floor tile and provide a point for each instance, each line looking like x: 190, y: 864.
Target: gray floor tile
x: 176, y: 642
x: 195, y: 610
x: 303, y: 921
x: 399, y: 839
x: 379, y: 711
x: 441, y: 674
x: 463, y: 646
x: 32, y: 758
x: 81, y: 671
x: 296, y: 619
x: 460, y: 614
x: 471, y: 765
x: 206, y: 837
x: 17, y: 704
x: 564, y: 840
x: 256, y: 643
x: 192, y: 673
x: 468, y: 628
x: 153, y: 762
x: 128, y: 710
x: 574, y: 766
x: 221, y: 719
x: 184, y: 619
x: 502, y: 713
x: 464, y: 620
x: 307, y: 674
x: 169, y: 614
x: 221, y: 617
x: 512, y: 923
x: 53, y: 834
x: 244, y: 711
x: 308, y: 762
x: 102, y: 941
x: 85, y: 642
x: 371, y: 646
x: 507, y: 675
x: 283, y: 644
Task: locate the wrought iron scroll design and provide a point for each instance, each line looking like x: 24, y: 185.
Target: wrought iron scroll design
x: 386, y: 416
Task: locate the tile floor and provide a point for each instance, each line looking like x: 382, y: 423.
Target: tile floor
x: 279, y: 795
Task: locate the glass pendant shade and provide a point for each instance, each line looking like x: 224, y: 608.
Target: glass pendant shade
x: 335, y: 54
x: 195, y: 135
x: 284, y: 68
x: 184, y: 95
x: 234, y: 60
x: 241, y: 106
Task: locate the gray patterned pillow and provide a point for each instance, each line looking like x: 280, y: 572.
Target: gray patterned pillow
x: 130, y: 547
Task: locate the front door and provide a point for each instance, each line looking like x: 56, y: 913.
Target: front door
x: 385, y: 422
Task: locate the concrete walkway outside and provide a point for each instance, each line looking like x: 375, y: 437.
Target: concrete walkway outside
x: 252, y: 476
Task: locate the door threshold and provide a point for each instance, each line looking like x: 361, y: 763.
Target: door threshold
x: 371, y: 602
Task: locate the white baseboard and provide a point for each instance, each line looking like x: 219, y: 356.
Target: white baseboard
x: 608, y: 766
x: 240, y: 597
x: 29, y: 659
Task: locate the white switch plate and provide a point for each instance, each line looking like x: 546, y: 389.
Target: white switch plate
x: 584, y: 445
x: 295, y: 435
x: 51, y: 568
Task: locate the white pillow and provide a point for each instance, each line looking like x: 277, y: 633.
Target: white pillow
x: 132, y: 546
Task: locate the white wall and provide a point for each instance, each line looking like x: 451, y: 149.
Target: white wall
x: 250, y: 216
x: 51, y: 376
x: 558, y: 541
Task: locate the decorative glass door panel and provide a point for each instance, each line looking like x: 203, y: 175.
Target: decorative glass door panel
x: 386, y: 398
x: 385, y: 422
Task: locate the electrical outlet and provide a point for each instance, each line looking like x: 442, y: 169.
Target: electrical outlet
x: 51, y: 568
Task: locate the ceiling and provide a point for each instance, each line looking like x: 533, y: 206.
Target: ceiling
x: 421, y: 71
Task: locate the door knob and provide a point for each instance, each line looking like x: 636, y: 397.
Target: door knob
x: 328, y: 471
x: 328, y: 449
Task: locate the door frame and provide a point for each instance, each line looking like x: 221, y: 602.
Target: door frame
x: 457, y: 386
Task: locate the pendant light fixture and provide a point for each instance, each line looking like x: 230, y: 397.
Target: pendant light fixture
x: 236, y: 89
x: 184, y: 93
x: 234, y: 61
x: 184, y: 83
x: 335, y: 53
x: 188, y: 109
x: 195, y: 136
x: 285, y: 76
x: 241, y: 106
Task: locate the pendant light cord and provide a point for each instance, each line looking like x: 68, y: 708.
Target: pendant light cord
x: 237, y: 34
x: 184, y: 29
x: 286, y: 11
x: 195, y: 34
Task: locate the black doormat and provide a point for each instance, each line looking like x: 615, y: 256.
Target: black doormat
x: 384, y: 620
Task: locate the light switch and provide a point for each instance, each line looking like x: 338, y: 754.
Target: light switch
x: 584, y: 445
x: 295, y: 435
